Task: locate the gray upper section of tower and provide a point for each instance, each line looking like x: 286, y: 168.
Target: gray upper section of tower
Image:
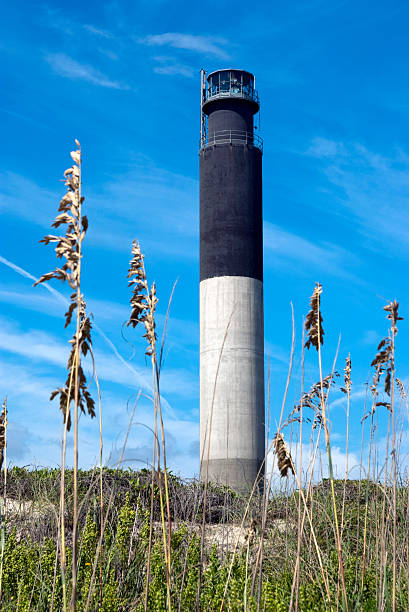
x: 230, y: 101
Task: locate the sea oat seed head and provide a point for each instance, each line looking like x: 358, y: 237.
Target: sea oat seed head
x: 312, y: 400
x: 347, y: 376
x: 384, y: 360
x: 68, y: 247
x: 284, y: 459
x: 392, y: 310
x: 3, y: 429
x: 401, y: 388
x: 143, y: 299
x: 313, y: 321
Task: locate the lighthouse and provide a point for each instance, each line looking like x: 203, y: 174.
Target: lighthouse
x: 232, y: 413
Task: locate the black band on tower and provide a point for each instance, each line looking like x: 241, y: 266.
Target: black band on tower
x: 231, y: 230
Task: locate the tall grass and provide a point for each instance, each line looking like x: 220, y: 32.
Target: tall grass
x: 69, y: 247
x: 149, y: 541
x: 143, y: 302
x: 3, y: 466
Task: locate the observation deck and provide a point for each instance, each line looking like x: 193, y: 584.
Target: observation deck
x: 232, y: 84
x: 228, y: 105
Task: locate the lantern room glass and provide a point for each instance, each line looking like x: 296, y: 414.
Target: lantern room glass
x: 231, y: 82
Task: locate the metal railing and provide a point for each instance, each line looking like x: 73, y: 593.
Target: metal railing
x: 231, y: 137
x: 234, y: 91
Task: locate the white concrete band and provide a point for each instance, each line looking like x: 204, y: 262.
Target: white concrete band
x: 232, y: 398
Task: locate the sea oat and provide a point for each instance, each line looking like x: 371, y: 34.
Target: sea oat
x: 384, y: 360
x: 401, y: 387
x: 68, y: 246
x: 143, y: 300
x: 312, y: 399
x: 3, y: 429
x: 284, y: 459
x: 313, y: 321
x: 347, y: 376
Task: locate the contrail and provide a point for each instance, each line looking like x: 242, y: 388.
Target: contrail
x: 60, y: 297
x: 26, y: 274
x: 63, y: 299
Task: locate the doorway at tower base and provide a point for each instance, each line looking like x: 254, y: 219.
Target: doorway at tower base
x: 232, y: 416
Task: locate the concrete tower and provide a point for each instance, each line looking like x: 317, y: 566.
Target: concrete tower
x: 232, y: 429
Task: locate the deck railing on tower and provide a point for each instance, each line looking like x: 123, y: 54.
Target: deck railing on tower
x: 231, y: 137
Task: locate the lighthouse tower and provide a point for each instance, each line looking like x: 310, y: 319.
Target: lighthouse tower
x: 232, y: 428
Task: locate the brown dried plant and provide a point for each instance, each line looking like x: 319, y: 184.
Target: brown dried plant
x: 312, y: 399
x: 401, y: 387
x: 284, y: 459
x: 3, y: 459
x: 313, y: 321
x: 68, y: 246
x: 347, y: 390
x: 143, y: 300
x: 3, y: 429
x: 315, y: 337
x: 384, y: 361
x: 347, y: 376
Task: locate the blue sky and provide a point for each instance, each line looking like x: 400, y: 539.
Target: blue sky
x: 123, y: 78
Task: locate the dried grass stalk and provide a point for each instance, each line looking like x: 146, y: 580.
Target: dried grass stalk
x: 347, y: 376
x: 312, y: 399
x: 284, y: 459
x: 402, y: 390
x: 3, y: 429
x: 68, y: 246
x: 313, y: 321
x: 384, y: 361
x: 143, y: 300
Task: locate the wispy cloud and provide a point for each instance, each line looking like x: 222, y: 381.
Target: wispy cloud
x: 65, y: 23
x: 290, y: 249
x: 276, y: 352
x: 171, y: 198
x: 180, y: 382
x: 38, y: 346
x: 15, y: 198
x: 322, y: 148
x: 98, y: 31
x: 33, y: 344
x: 67, y: 67
x: 171, y: 227
x: 170, y: 66
x: 28, y: 386
x: 180, y: 332
x: 22, y: 382
x: 207, y: 45
x: 370, y: 186
x: 108, y: 53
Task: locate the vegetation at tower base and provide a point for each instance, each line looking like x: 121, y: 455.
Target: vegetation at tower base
x: 29, y: 578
